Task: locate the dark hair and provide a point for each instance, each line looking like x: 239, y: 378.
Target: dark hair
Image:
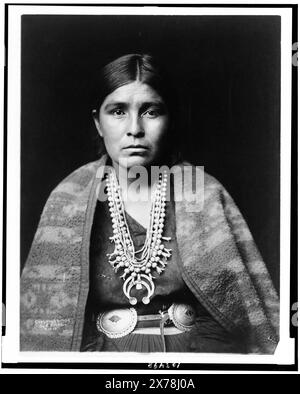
x: 143, y: 68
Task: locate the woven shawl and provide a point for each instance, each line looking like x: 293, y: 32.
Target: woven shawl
x: 220, y: 264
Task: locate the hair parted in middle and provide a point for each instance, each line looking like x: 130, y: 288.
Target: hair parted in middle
x: 144, y: 68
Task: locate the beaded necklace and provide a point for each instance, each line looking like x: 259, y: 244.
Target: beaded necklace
x: 138, y: 271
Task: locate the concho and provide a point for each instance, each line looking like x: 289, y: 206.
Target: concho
x: 117, y: 323
x: 182, y: 315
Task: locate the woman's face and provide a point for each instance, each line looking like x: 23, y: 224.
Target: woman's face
x: 133, y: 120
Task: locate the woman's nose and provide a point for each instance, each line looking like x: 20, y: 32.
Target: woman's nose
x: 135, y: 126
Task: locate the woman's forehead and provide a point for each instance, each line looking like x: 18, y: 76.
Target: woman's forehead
x: 133, y: 92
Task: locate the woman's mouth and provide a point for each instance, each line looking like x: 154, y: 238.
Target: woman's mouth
x: 136, y: 148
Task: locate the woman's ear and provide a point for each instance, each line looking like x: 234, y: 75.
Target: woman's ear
x: 96, y: 121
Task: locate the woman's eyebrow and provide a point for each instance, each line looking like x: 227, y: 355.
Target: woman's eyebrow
x: 158, y: 104
x: 154, y: 102
x: 142, y: 105
x: 115, y: 104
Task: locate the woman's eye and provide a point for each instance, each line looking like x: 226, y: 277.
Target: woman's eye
x: 151, y: 113
x: 117, y: 112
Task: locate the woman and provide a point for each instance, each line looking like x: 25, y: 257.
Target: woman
x: 116, y: 267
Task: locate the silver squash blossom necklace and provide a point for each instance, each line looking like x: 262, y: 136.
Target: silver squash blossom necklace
x: 138, y: 271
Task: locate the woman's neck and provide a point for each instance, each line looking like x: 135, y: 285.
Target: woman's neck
x: 136, y: 182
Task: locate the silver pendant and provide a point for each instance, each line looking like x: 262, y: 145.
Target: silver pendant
x: 141, y: 281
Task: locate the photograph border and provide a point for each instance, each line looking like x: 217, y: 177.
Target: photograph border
x: 11, y: 356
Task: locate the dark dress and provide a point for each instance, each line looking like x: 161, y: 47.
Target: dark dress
x: 106, y: 293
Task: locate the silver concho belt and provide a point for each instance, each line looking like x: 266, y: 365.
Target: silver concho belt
x: 120, y: 322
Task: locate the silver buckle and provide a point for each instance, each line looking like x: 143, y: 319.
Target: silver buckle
x: 183, y: 316
x: 117, y: 323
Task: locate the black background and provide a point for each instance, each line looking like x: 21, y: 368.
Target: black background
x: 226, y: 71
